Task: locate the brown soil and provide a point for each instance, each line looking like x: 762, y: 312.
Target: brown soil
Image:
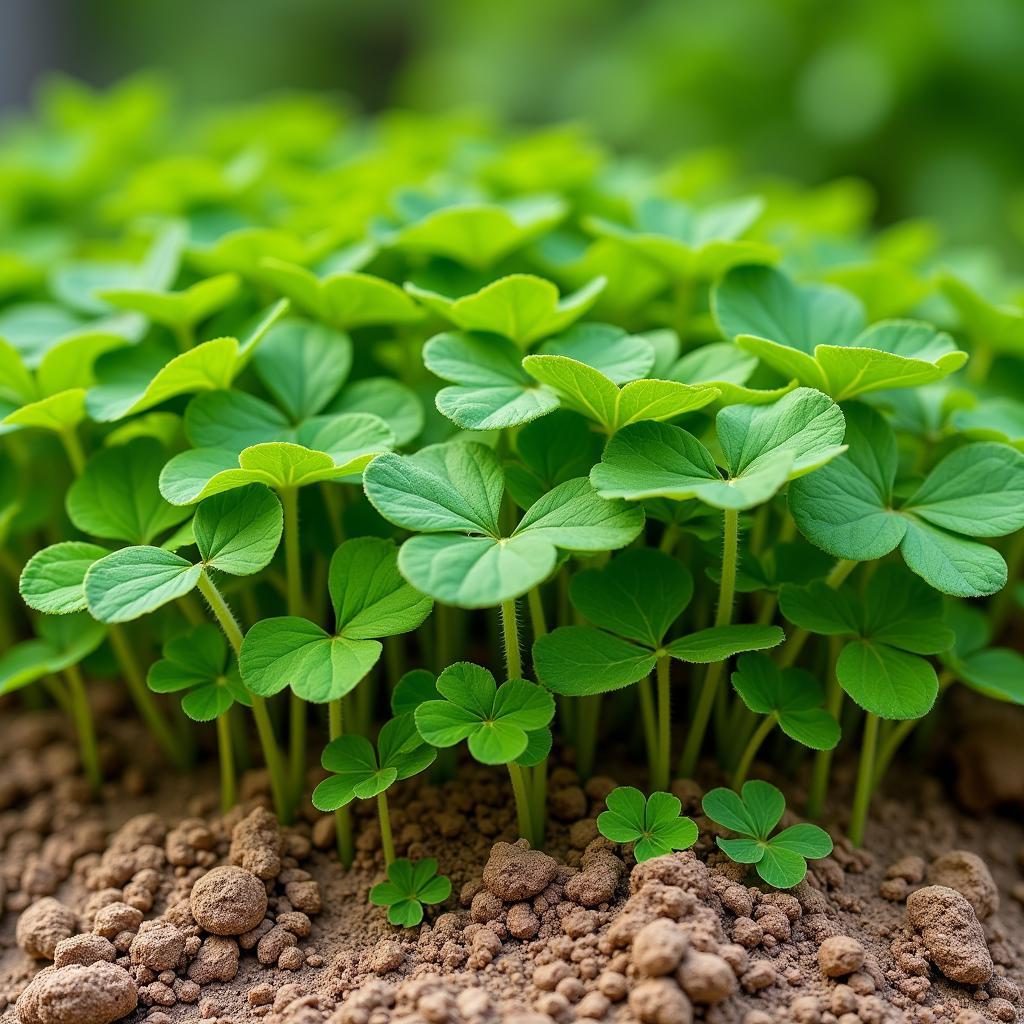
x: 114, y: 889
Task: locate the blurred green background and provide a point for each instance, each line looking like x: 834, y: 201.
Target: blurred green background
x: 922, y: 98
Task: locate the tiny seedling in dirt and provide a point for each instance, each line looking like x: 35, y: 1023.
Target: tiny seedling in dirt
x: 410, y: 885
x: 780, y: 860
x: 653, y: 824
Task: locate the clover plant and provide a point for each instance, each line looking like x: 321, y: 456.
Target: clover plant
x: 753, y: 814
x: 652, y: 824
x: 417, y: 403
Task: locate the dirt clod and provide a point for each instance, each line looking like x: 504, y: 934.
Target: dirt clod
x: 43, y: 925
x: 839, y: 956
x: 514, y: 872
x: 94, y: 994
x: 951, y: 933
x: 228, y: 901
x: 969, y: 875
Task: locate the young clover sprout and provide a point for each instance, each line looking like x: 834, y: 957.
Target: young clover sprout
x: 817, y: 335
x: 781, y: 860
x: 61, y: 643
x: 632, y: 603
x: 789, y: 698
x: 851, y: 509
x: 653, y: 824
x: 505, y: 724
x: 237, y: 533
x: 198, y: 661
x: 520, y: 307
x: 409, y: 886
x: 359, y: 771
x: 370, y: 600
x: 763, y: 446
x: 882, y: 668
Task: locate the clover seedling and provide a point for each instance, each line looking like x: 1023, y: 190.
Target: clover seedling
x: 359, y: 771
x: 409, y: 886
x: 505, y: 724
x: 790, y: 698
x: 632, y: 603
x: 653, y: 824
x: 781, y: 860
x: 451, y: 494
x: 816, y: 333
x: 850, y: 509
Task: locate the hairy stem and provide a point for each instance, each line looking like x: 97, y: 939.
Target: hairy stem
x: 865, y: 780
x: 226, y: 758
x: 664, y: 723
x: 538, y: 623
x: 82, y: 715
x: 510, y: 638
x: 342, y: 816
x: 293, y: 581
x: 386, y: 841
x: 723, y: 616
x: 750, y: 751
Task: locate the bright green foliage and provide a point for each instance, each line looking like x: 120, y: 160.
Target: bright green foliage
x: 853, y: 508
x: 61, y: 642
x: 632, y: 603
x: 496, y: 721
x: 53, y: 579
x: 180, y: 311
x: 653, y: 824
x: 817, y: 334
x: 781, y: 860
x: 408, y: 888
x: 198, y: 661
x: 895, y: 623
x: 360, y: 772
x: 412, y: 690
x: 997, y: 672
x: 790, y: 696
x: 451, y: 494
x: 370, y: 600
x: 763, y: 447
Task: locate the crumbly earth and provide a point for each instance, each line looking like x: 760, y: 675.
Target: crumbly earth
x: 150, y: 904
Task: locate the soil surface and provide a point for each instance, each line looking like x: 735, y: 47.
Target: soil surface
x: 148, y: 903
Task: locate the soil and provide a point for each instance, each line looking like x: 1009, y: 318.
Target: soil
x: 156, y: 906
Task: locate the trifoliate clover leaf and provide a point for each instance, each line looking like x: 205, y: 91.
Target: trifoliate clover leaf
x: 117, y: 496
x: 345, y: 299
x: 816, y: 333
x: 410, y: 886
x: 653, y: 824
x: 198, y: 661
x: 370, y: 600
x: 452, y: 493
x: 237, y: 533
x: 791, y: 697
x: 781, y: 860
x: 495, y: 720
x: 360, y: 772
x: 53, y: 580
x: 632, y: 602
x: 61, y: 641
x: 996, y: 672
x: 763, y: 446
x: 850, y: 508
x: 521, y: 307
x: 898, y: 620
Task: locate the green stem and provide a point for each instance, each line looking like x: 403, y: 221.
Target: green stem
x: 443, y: 630
x: 296, y: 744
x: 750, y: 751
x: 143, y: 699
x: 822, y: 770
x: 185, y: 336
x: 790, y: 651
x: 723, y: 616
x: 386, y: 841
x: 264, y: 727
x: 520, y: 791
x: 865, y: 780
x: 588, y: 715
x: 980, y: 363
x: 669, y: 539
x: 82, y: 716
x: 899, y: 733
x: 394, y: 658
x: 56, y: 689
x: 342, y: 816
x: 538, y: 778
x: 664, y: 721
x: 510, y: 636
x: 293, y: 581
x: 227, y: 762
x: 73, y: 449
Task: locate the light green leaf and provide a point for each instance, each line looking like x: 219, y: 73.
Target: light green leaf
x: 131, y: 582
x: 397, y: 405
x: 724, y: 366
x: 53, y: 579
x: 180, y: 310
x: 238, y: 531
x: 60, y: 412
x: 63, y: 641
x: 885, y: 681
x: 716, y: 643
x: 575, y: 517
x: 579, y: 661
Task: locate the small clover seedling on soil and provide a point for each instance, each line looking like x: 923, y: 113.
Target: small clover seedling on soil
x: 505, y: 724
x: 780, y: 860
x: 410, y: 886
x: 357, y: 770
x: 652, y: 824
